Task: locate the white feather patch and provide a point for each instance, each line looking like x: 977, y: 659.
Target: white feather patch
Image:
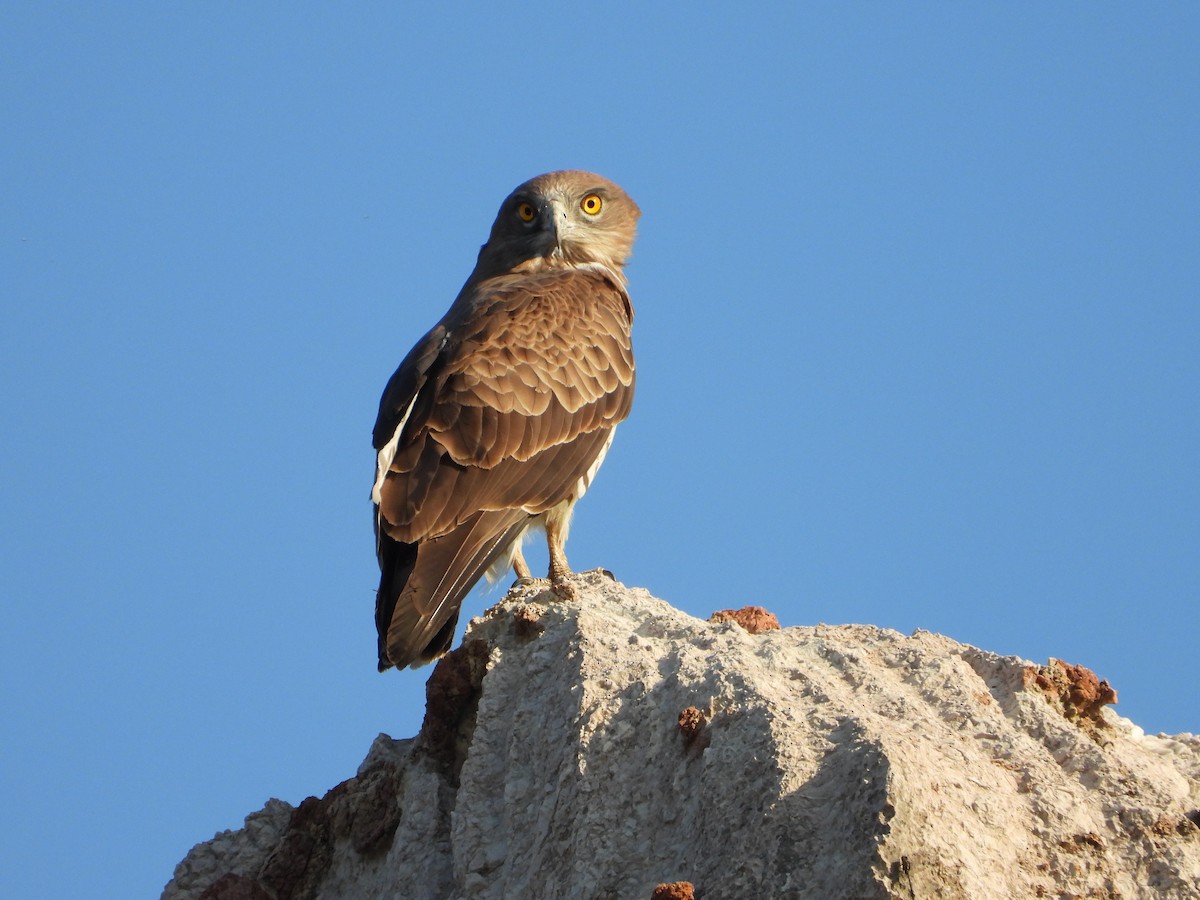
x: 585, y: 481
x: 503, y: 563
x: 615, y: 275
x: 387, y: 454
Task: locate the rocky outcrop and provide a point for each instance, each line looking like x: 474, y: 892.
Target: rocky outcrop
x: 614, y: 747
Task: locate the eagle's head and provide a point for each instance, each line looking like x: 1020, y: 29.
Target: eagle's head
x: 566, y: 218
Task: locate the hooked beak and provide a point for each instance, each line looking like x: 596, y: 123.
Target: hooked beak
x: 560, y: 225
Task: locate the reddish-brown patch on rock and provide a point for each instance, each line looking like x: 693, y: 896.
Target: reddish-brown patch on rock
x: 376, y: 815
x: 232, y: 886
x: 297, y: 866
x: 754, y: 619
x: 1079, y: 842
x: 1176, y: 826
x: 1075, y: 690
x: 526, y: 624
x: 365, y: 808
x: 675, y: 890
x: 451, y: 697
x: 692, y: 722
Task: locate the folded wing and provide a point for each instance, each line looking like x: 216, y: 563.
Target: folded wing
x: 499, y: 414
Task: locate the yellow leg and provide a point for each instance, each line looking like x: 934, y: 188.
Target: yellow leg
x: 560, y: 572
x: 520, y: 567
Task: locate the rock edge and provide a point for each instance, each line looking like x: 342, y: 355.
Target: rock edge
x: 613, y: 746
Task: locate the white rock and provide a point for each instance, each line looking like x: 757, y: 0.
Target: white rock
x: 834, y: 761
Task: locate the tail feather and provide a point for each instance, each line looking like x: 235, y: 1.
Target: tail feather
x: 396, y: 562
x: 422, y: 585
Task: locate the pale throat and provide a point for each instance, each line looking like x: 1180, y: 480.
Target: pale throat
x: 555, y: 262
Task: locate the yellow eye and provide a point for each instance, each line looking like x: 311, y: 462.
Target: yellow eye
x: 591, y: 204
x: 526, y: 211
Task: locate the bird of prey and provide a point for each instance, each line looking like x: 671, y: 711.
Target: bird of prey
x: 499, y: 417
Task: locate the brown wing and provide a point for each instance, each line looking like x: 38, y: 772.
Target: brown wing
x: 515, y: 413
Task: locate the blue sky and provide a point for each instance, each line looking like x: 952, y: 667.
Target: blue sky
x: 917, y: 331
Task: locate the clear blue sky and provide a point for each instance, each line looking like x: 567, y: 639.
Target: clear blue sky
x: 918, y: 330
